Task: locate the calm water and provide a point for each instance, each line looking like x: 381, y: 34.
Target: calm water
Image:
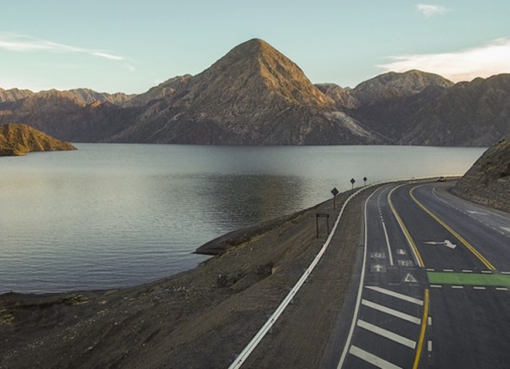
x: 108, y: 216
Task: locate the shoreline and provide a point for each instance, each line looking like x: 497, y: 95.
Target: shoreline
x: 212, y: 308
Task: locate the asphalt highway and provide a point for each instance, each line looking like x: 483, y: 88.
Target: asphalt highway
x: 434, y: 285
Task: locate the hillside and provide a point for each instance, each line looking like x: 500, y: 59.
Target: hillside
x: 488, y: 180
x: 19, y: 139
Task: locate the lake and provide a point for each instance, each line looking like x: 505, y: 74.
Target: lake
x: 115, y: 215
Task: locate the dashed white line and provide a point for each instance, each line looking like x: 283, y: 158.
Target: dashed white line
x: 387, y: 242
x: 436, y: 286
x: 458, y: 287
x: 479, y: 288
x: 505, y: 272
x: 372, y: 359
x: 396, y: 294
x: 467, y: 271
x: 390, y: 311
x: 486, y: 271
x: 447, y: 270
x: 501, y: 289
x: 430, y: 270
x: 507, y: 229
x: 429, y: 321
x: 429, y: 346
x: 387, y: 334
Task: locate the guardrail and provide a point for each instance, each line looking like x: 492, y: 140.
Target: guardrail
x: 241, y: 358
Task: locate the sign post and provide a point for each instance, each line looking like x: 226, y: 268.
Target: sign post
x: 334, y: 191
x: 352, y: 183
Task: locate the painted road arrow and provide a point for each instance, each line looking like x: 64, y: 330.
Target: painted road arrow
x: 446, y: 243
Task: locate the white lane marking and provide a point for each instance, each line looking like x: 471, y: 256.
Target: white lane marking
x: 390, y: 311
x: 458, y: 287
x: 429, y: 346
x: 436, y: 286
x: 486, y: 271
x: 505, y: 272
x: 430, y: 320
x: 476, y: 212
x: 387, y: 242
x: 467, y: 271
x: 431, y: 270
x: 360, y: 288
x: 447, y: 270
x: 387, y: 334
x: 396, y: 294
x: 501, y: 289
x: 478, y: 288
x: 507, y: 229
x: 372, y: 359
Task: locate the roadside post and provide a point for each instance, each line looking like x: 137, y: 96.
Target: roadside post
x: 365, y: 179
x: 352, y: 183
x: 321, y: 215
x: 335, y: 192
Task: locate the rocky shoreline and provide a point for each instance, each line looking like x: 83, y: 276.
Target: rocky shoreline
x: 196, y: 319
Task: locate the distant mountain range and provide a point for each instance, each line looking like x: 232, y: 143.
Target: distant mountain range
x: 255, y: 95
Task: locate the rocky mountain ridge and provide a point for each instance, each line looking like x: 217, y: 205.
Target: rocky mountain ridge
x: 19, y: 139
x: 254, y: 95
x: 488, y: 180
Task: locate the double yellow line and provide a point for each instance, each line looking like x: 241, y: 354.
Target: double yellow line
x: 475, y: 252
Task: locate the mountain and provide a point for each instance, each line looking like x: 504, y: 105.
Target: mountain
x: 14, y: 94
x: 488, y: 180
x: 473, y: 113
x: 19, y: 139
x: 254, y: 95
x: 343, y: 98
x: 392, y: 85
x: 66, y: 116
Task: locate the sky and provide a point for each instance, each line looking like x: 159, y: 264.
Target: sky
x: 132, y: 45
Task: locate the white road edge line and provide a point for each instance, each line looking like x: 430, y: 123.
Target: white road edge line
x: 360, y: 290
x: 436, y: 286
x: 501, y: 289
x: 396, y: 295
x: 387, y: 242
x: 392, y: 312
x: 372, y: 359
x: 387, y: 334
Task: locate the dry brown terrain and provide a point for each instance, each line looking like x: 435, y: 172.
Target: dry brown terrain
x: 200, y: 318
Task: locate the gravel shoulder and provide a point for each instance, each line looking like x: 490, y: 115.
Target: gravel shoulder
x: 203, y: 317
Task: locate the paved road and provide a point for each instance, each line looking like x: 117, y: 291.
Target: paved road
x: 434, y: 286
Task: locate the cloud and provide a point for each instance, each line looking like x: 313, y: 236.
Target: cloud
x: 430, y: 10
x: 21, y: 43
x: 485, y: 61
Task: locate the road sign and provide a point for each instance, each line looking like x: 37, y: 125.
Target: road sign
x: 335, y: 192
x: 409, y: 278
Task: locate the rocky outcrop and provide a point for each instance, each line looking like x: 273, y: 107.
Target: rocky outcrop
x: 488, y: 180
x: 14, y: 94
x: 343, y: 98
x: 19, y: 139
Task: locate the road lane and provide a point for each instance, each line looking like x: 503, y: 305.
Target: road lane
x: 388, y: 319
x: 461, y: 294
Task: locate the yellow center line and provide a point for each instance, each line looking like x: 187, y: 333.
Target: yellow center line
x: 423, y: 329
x: 455, y: 234
x: 406, y: 232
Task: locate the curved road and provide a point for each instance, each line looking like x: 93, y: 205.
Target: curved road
x: 434, y: 288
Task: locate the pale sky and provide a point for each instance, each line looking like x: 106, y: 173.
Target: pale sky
x: 132, y: 45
